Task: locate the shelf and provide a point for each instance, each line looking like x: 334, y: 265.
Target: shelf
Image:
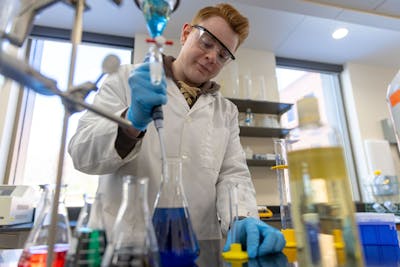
x: 263, y: 132
x: 257, y: 106
x: 260, y: 162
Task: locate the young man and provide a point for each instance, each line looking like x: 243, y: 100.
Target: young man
x: 200, y: 126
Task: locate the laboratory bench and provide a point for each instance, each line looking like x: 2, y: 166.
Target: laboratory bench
x: 210, y: 256
x: 13, y: 237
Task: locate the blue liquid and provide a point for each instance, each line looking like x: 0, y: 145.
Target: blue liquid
x: 177, y: 242
x: 156, y: 13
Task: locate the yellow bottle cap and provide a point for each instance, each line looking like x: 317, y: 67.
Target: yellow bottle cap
x: 289, y: 237
x: 235, y: 253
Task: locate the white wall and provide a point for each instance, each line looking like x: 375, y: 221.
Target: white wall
x: 364, y: 88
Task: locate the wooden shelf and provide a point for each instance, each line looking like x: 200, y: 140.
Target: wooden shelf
x: 260, y: 163
x: 257, y: 106
x: 251, y: 131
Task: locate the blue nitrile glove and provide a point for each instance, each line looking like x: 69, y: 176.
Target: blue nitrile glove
x: 257, y: 237
x: 144, y: 96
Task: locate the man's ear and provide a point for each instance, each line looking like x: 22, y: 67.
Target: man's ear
x: 186, y: 29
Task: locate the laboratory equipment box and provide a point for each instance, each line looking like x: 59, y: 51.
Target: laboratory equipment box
x: 16, y: 204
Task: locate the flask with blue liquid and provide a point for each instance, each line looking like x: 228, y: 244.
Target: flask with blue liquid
x: 177, y: 242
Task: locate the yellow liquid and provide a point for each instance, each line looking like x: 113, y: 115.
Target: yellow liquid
x: 322, y: 208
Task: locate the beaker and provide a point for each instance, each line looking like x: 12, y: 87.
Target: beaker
x: 133, y: 241
x: 89, y: 237
x: 36, y: 246
x: 177, y: 241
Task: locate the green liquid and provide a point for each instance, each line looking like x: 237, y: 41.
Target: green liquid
x: 321, y: 199
x: 90, y: 248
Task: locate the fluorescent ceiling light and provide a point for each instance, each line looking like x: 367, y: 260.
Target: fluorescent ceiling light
x: 340, y: 33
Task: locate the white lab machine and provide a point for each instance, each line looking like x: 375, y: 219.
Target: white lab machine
x: 16, y: 204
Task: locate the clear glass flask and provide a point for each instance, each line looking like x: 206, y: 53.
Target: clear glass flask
x: 322, y: 206
x: 133, y: 241
x: 36, y: 246
x: 177, y: 241
x: 89, y: 240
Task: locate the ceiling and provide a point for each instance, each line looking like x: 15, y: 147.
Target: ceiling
x: 299, y: 29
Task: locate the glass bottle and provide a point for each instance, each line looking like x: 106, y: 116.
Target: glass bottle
x: 177, y: 241
x: 249, y: 118
x: 35, y: 248
x: 89, y: 237
x: 322, y: 206
x: 133, y: 241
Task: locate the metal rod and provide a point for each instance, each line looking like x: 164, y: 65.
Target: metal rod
x: 20, y: 71
x: 75, y: 39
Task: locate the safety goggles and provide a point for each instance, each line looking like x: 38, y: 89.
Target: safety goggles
x: 208, y: 41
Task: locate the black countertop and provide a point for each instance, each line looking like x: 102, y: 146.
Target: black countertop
x: 210, y: 256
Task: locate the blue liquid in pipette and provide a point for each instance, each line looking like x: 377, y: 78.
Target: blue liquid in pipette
x: 177, y: 243
x: 156, y: 13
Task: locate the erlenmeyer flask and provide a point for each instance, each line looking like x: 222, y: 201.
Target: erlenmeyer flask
x: 176, y: 239
x: 36, y: 248
x: 42, y: 202
x: 133, y: 241
x: 89, y: 238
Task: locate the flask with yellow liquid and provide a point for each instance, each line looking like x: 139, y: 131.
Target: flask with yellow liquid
x: 323, y: 212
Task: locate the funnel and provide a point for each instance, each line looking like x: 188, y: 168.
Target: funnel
x: 157, y: 13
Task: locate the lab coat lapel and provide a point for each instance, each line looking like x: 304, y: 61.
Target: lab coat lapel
x: 175, y: 93
x: 202, y: 101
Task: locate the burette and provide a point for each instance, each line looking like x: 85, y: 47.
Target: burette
x: 157, y: 13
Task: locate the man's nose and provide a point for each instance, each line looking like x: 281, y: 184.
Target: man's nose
x: 212, y: 55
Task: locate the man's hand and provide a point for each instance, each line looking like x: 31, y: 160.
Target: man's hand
x: 257, y: 237
x: 144, y: 96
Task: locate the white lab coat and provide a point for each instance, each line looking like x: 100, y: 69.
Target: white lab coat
x: 205, y: 136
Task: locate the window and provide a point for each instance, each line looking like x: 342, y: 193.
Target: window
x: 39, y: 140
x: 297, y: 79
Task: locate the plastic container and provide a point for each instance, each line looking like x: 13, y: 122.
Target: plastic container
x: 377, y: 229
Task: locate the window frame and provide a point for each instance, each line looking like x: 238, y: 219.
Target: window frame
x: 25, y: 103
x: 333, y: 69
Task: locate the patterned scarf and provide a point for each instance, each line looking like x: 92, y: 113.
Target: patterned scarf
x: 190, y: 93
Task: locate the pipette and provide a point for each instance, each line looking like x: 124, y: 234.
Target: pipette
x: 157, y: 13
